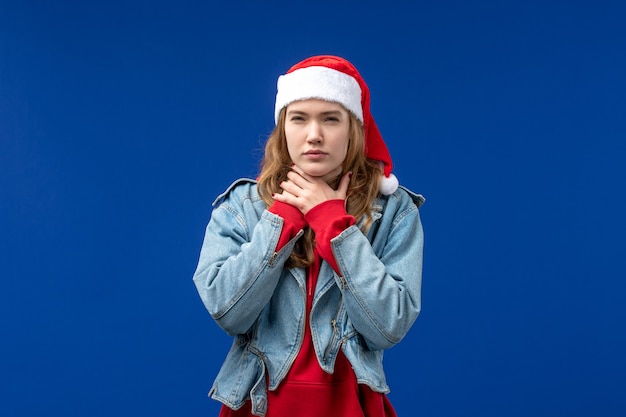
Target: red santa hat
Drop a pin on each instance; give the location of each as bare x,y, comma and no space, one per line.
332,78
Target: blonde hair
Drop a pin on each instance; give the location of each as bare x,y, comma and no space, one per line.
362,190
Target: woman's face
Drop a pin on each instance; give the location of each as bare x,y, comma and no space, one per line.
317,133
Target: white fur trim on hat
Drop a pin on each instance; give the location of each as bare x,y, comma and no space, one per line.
322,83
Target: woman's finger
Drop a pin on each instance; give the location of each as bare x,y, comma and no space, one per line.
298,178
342,189
291,187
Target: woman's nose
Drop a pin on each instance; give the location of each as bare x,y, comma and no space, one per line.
314,134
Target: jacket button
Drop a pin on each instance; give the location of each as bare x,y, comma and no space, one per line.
261,405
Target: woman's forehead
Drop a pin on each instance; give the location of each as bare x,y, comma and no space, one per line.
315,104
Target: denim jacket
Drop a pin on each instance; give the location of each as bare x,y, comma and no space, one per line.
247,290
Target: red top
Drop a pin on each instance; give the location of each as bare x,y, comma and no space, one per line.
308,391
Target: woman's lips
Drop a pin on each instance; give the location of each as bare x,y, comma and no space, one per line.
315,154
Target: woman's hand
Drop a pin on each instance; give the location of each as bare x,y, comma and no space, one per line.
305,192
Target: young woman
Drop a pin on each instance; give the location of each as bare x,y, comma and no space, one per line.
315,267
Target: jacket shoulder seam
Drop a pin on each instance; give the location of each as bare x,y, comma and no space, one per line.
220,198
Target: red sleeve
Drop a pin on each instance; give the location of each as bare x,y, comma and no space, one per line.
328,220
293,221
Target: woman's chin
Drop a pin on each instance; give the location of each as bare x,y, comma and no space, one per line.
321,172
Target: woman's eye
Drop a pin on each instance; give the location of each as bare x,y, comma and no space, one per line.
297,118
332,119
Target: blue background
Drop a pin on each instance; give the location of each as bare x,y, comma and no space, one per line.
120,121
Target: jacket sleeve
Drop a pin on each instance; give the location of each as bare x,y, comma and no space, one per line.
238,268
382,294
293,222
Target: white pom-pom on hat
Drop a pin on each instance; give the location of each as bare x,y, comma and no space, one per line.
388,185
335,79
